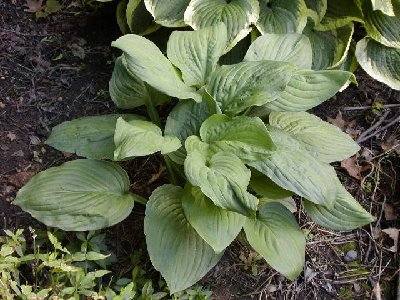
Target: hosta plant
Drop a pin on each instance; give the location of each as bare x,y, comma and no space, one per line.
328,24
238,145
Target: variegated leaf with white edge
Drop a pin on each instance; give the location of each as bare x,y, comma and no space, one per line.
379,61
238,16
167,13
282,16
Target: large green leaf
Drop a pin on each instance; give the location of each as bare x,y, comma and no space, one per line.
175,248
294,169
326,142
307,89
121,16
223,178
232,135
91,137
346,214
379,61
340,13
196,53
277,237
167,13
128,91
139,20
329,47
291,47
282,16
183,121
316,9
217,226
265,187
238,87
381,27
238,16
79,195
140,138
145,60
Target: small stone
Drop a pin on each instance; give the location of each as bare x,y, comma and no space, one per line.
350,256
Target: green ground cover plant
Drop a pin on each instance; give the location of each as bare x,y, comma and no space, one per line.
52,266
238,143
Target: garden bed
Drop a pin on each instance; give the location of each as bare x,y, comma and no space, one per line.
57,68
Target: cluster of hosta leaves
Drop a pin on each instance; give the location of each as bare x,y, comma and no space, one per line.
239,140
327,24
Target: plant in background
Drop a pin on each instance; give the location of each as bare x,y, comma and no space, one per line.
229,169
328,24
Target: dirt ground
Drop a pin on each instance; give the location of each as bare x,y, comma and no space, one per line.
57,68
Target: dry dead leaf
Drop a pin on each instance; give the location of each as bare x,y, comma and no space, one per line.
20,179
11,136
34,140
391,143
34,6
390,214
348,127
393,233
338,121
18,153
352,167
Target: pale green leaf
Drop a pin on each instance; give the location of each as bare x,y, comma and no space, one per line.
379,61
276,235
294,169
324,141
141,138
329,47
196,53
346,214
78,195
167,13
265,187
291,47
175,248
143,59
340,13
287,202
238,16
128,91
382,28
307,89
183,121
223,178
282,16
386,6
91,137
238,87
217,226
232,135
